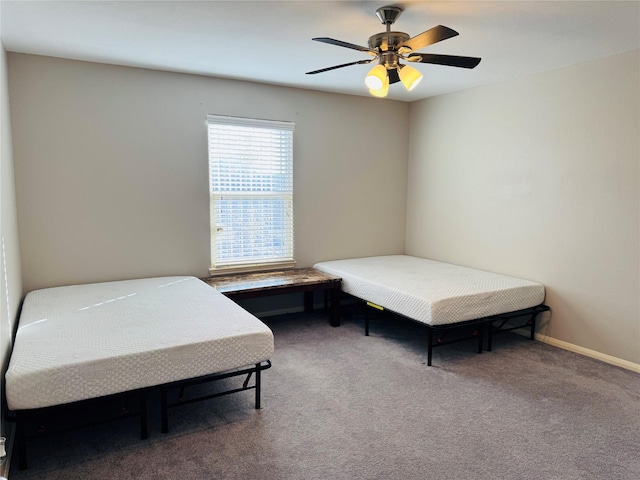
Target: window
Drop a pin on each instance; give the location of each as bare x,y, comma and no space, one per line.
251,192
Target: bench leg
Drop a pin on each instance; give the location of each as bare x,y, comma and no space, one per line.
308,302
335,306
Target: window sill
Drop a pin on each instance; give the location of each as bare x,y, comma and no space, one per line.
262,267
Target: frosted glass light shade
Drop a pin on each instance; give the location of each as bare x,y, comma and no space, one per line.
410,77
382,91
376,77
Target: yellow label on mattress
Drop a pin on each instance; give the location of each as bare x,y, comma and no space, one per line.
375,306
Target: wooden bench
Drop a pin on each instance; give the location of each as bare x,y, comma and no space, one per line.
306,280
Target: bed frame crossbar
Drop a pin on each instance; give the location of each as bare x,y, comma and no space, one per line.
527,316
476,333
165,405
492,324
476,328
42,417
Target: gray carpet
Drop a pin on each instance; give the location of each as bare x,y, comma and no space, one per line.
339,405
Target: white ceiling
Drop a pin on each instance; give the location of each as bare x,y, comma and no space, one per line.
270,41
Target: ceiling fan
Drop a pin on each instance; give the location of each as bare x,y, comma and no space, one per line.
390,47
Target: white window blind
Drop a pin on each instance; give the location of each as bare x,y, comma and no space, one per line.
251,191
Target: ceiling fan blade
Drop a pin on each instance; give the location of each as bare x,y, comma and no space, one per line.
431,36
340,43
394,76
359,62
449,60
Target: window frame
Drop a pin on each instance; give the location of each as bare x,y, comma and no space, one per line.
284,155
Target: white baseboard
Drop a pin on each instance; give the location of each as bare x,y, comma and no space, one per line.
618,362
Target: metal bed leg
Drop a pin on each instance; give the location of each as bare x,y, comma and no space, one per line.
21,442
164,415
144,430
489,336
258,386
429,345
480,338
533,325
366,322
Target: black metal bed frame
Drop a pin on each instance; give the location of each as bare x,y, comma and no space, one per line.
493,324
528,315
181,385
43,420
39,417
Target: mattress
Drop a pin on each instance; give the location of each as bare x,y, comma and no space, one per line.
86,341
432,292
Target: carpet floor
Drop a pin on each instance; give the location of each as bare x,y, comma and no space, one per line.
339,405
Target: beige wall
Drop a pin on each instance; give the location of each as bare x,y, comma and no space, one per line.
539,178
10,276
112,176
536,177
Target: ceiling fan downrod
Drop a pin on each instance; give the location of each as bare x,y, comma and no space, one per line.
387,40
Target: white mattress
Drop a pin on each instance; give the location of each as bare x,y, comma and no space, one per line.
86,341
432,292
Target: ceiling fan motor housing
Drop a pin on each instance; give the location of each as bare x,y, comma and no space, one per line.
387,40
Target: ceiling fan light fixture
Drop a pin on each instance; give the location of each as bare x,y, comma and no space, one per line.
409,76
389,48
382,91
376,77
